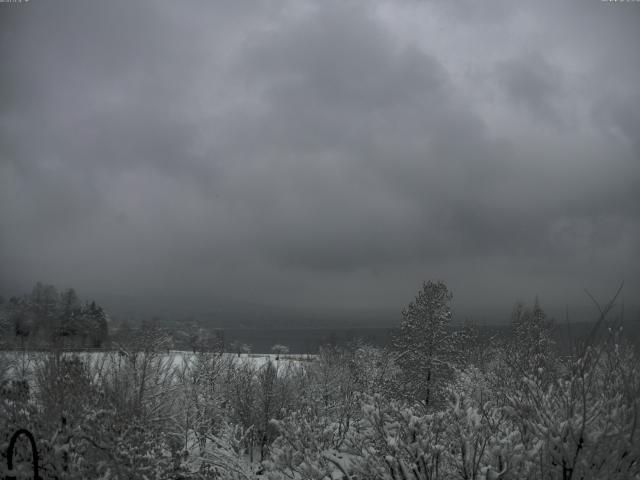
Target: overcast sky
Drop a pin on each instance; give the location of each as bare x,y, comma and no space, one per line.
321,153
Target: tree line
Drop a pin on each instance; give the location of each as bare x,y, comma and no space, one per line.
48,317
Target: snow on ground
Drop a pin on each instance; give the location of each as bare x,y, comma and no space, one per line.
21,363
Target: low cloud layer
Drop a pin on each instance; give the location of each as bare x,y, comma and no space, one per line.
321,154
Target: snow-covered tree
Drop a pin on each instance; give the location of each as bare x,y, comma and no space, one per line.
279,349
531,352
425,343
374,370
268,403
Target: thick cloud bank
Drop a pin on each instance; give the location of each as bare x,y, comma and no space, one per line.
321,153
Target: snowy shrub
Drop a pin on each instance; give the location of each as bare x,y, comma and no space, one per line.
585,425
396,442
299,451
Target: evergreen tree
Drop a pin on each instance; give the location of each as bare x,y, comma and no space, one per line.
532,346
93,325
69,315
5,323
425,343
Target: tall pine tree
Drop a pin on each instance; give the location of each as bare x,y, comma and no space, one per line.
425,343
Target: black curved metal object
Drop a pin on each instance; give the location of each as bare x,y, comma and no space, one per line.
34,453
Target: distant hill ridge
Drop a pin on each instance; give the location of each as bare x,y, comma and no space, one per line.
308,340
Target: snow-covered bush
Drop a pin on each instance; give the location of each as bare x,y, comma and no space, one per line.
585,424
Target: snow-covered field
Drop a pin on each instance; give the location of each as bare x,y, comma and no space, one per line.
21,363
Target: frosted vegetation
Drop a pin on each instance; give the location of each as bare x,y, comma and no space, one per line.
439,404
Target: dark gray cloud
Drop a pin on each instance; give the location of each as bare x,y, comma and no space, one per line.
320,153
534,84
